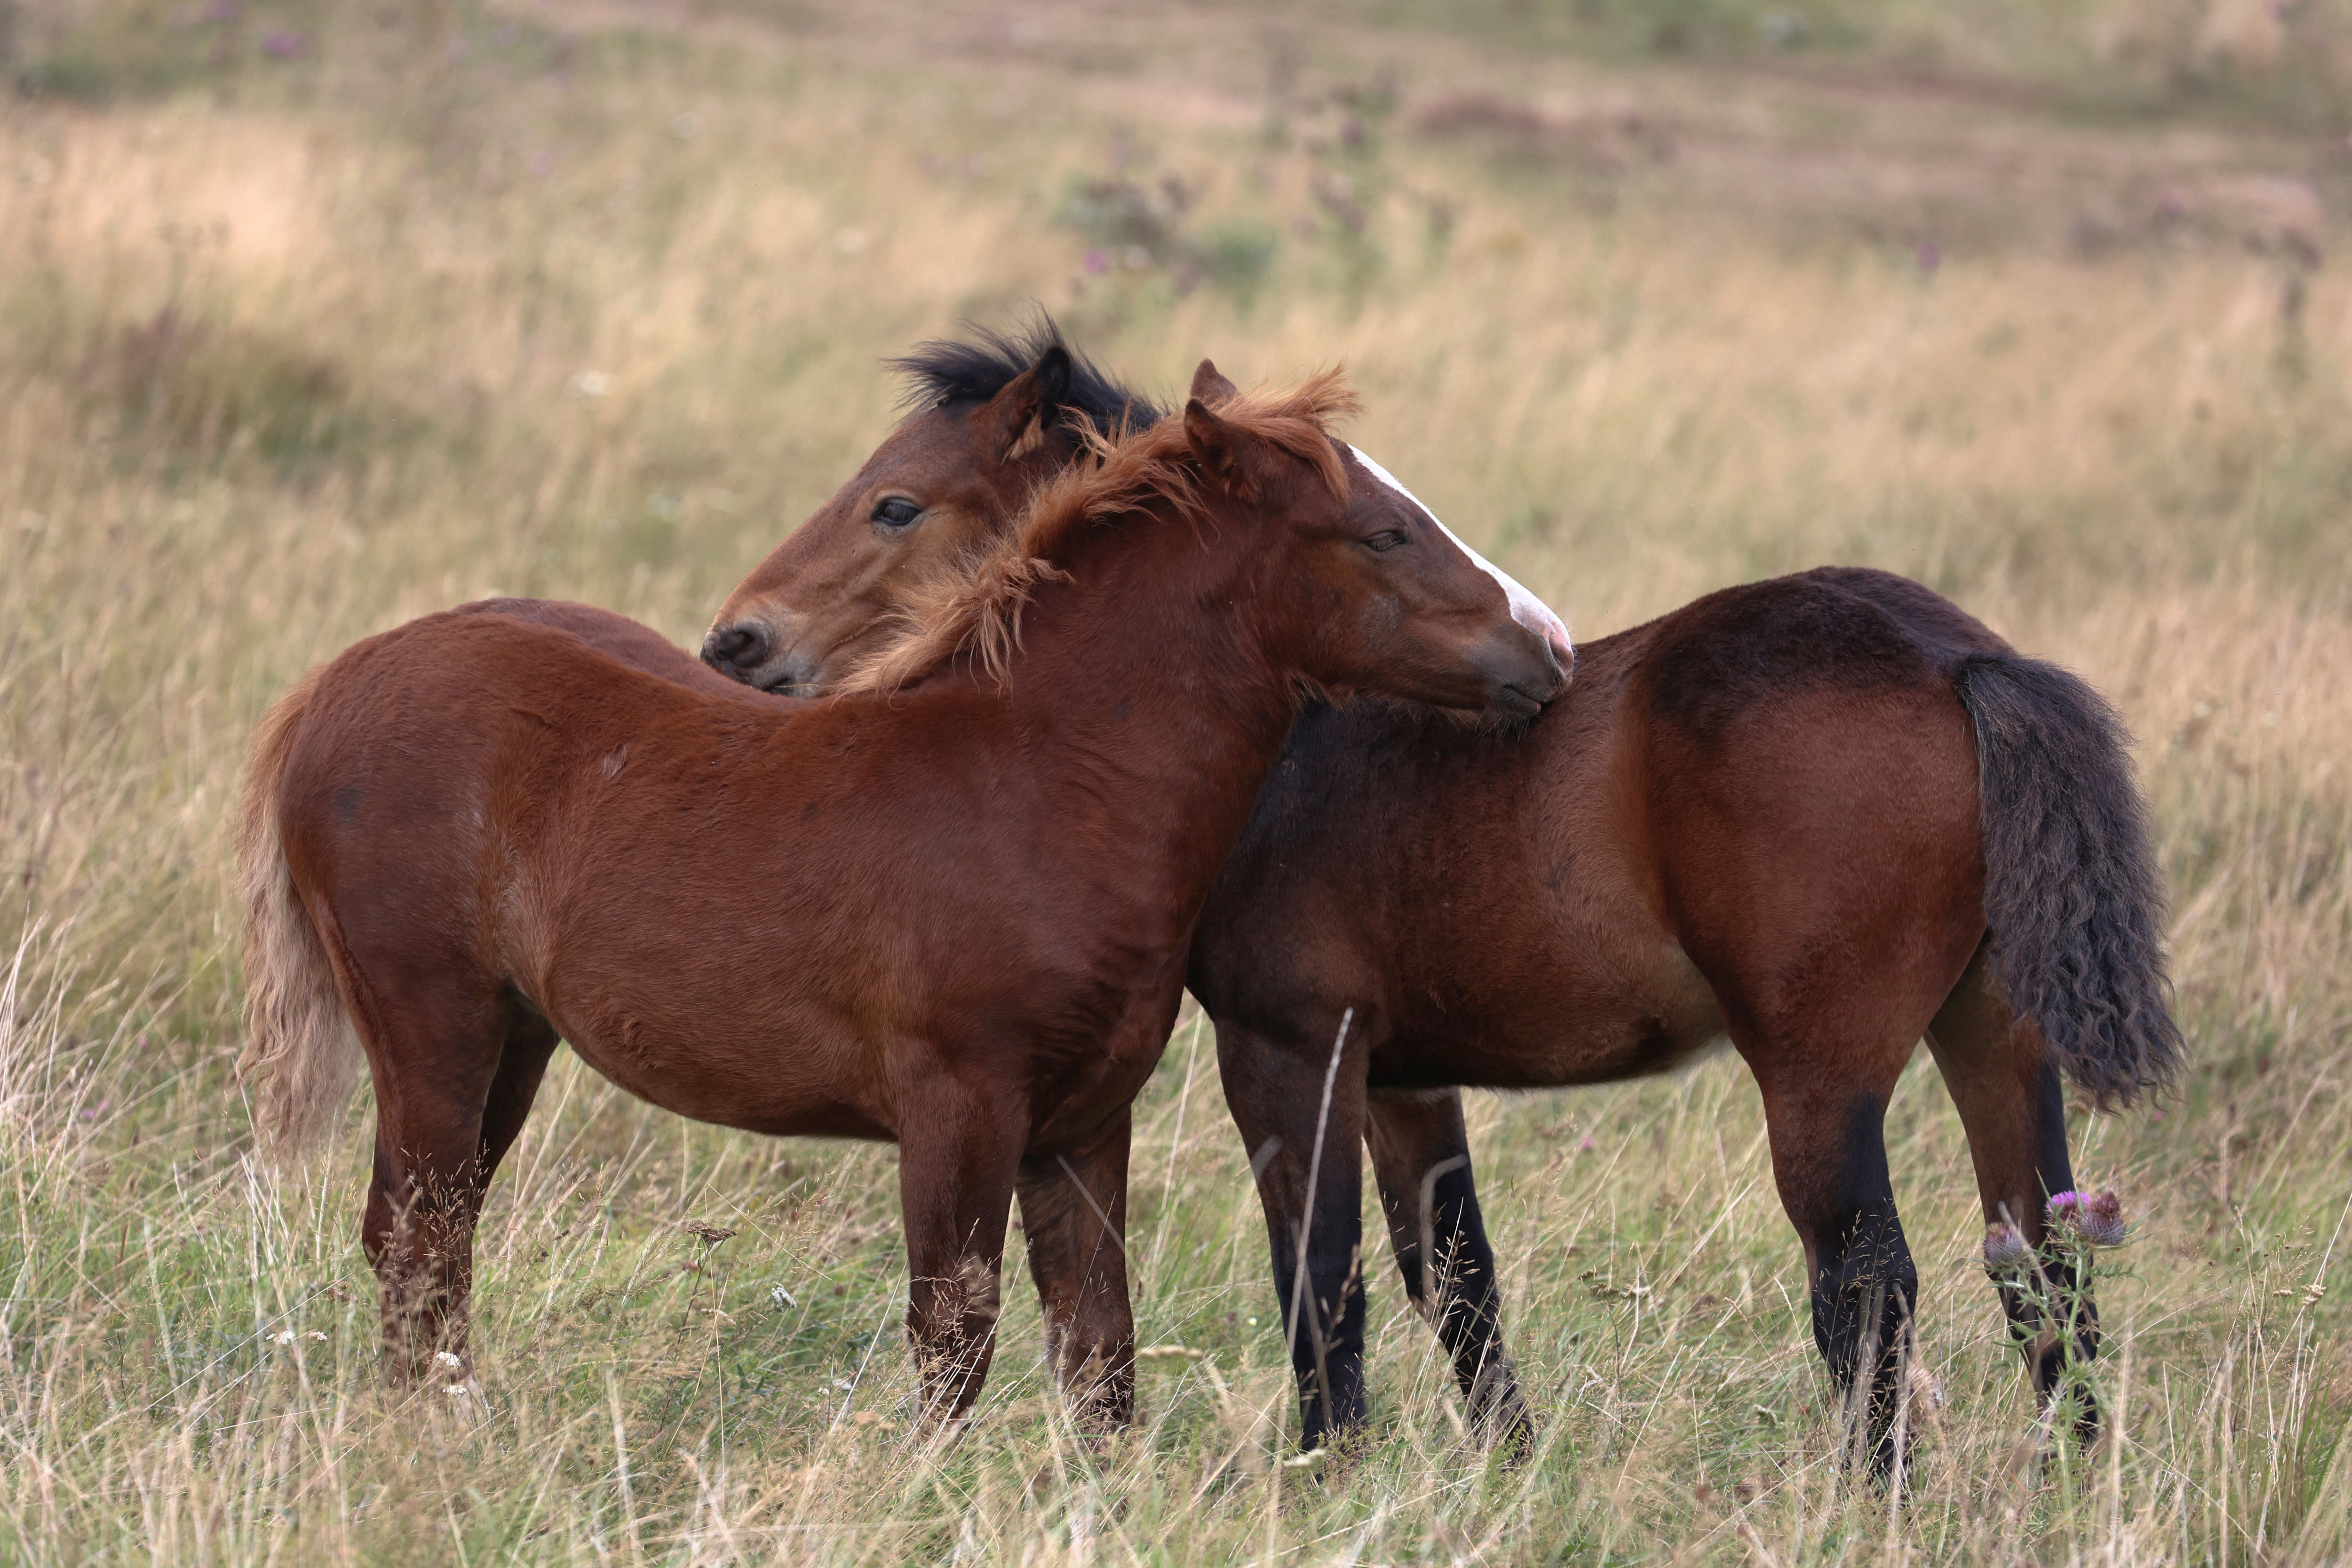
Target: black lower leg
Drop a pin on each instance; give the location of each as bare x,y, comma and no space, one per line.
1448,1266
1862,1312
1865,1285
2055,1320
1326,1332
2055,1323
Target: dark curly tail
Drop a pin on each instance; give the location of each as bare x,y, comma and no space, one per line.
2071,890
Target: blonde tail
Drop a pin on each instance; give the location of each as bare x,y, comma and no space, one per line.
302,1056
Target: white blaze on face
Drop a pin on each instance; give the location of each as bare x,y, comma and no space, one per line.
1525,609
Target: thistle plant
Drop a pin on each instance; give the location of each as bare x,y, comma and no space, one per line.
2047,1291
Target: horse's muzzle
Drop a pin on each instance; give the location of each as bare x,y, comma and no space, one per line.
736,651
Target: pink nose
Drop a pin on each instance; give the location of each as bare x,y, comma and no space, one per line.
1536,615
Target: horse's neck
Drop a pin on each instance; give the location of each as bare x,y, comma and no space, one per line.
1146,671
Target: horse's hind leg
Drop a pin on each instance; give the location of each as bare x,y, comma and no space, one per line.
1420,1155
1074,1213
2012,1106
1824,1110
455,1066
530,1041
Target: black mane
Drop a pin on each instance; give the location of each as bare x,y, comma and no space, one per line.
941,373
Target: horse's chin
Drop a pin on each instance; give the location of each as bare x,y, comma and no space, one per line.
1495,719
1512,709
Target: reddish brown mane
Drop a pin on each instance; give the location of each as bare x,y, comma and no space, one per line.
977,610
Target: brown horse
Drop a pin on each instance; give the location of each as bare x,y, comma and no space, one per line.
971,882
990,418
1823,815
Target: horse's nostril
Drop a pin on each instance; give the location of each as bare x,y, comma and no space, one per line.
742,647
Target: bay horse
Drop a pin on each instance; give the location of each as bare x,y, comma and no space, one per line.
1823,815
951,908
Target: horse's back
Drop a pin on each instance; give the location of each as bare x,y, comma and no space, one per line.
1745,654
491,684
633,643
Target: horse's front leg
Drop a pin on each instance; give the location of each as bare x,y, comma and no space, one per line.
1074,1213
1420,1155
958,1153
1301,1116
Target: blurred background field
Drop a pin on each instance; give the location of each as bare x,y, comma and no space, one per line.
313,318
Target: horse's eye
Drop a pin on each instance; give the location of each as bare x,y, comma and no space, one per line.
897,512
1387,539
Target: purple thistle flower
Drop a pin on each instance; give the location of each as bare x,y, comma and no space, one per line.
2098,1221
2102,1221
284,44
1098,260
2062,1210
2005,1249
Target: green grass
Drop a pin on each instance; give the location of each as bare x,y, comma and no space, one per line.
591,305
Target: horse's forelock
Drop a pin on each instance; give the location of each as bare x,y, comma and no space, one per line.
977,367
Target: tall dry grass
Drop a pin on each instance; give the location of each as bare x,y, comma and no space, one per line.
450,302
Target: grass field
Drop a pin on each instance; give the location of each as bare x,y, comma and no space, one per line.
315,318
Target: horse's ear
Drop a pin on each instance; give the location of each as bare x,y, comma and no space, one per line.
1018,417
1209,385
1223,450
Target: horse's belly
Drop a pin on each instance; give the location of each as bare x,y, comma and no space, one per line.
788,1079
1649,1011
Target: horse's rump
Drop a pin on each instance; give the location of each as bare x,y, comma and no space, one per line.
2072,895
